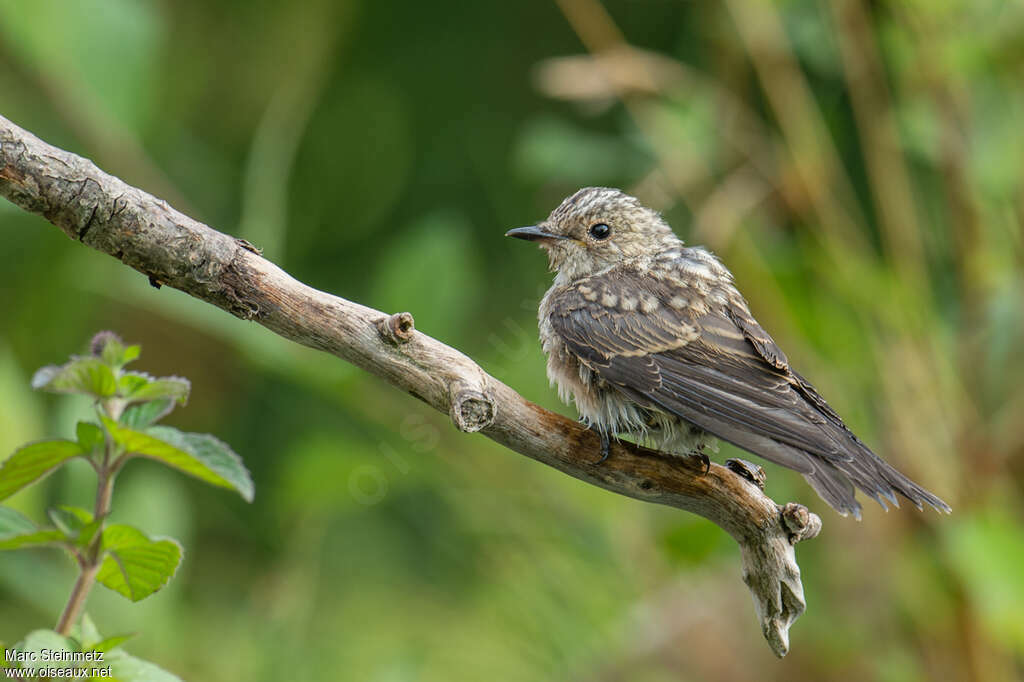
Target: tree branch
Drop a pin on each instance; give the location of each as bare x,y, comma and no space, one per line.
171,249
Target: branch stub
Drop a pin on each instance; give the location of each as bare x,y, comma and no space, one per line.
799,522
397,328
471,409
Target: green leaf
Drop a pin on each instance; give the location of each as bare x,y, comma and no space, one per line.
85,631
88,532
114,352
195,454
131,382
141,415
39,641
40,538
214,453
127,668
33,462
90,436
91,639
136,387
111,642
14,523
75,523
18,532
136,566
84,516
71,520
88,375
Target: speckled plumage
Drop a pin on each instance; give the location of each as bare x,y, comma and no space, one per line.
650,337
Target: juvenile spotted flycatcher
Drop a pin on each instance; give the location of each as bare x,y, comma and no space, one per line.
652,339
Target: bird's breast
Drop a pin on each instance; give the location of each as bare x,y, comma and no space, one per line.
599,404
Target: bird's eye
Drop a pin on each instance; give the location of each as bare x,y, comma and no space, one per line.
600,231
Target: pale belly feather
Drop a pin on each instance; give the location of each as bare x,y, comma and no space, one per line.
606,410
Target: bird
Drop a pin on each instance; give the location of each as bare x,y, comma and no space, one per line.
651,339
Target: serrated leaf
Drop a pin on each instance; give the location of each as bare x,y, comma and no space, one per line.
14,523
70,520
214,454
141,415
137,387
39,641
131,354
18,532
199,455
86,630
116,354
136,566
84,516
36,537
128,668
87,374
111,643
34,461
88,532
90,436
44,375
131,382
76,523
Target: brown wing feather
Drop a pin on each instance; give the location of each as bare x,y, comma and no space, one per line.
711,363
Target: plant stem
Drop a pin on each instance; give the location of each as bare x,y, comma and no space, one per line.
76,602
90,560
104,492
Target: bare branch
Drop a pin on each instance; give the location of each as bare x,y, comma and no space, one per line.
171,249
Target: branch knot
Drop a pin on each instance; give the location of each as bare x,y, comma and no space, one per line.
471,410
396,329
799,522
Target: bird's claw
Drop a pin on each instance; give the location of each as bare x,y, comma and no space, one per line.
606,441
704,460
606,444
698,452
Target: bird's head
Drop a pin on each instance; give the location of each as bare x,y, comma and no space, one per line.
596,228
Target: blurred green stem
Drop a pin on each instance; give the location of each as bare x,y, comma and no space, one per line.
76,602
89,560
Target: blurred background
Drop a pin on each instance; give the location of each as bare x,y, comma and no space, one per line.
858,165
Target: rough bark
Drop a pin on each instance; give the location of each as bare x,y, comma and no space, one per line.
171,249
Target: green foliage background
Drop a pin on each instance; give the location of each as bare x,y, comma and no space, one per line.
858,165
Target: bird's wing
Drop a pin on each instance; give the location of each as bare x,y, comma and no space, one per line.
666,342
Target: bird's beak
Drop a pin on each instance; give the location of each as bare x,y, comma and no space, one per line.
533,233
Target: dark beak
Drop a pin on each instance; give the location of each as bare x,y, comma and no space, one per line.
532,233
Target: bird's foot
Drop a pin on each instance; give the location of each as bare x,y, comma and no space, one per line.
606,444
606,441
698,452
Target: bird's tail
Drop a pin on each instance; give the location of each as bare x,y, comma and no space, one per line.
835,480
